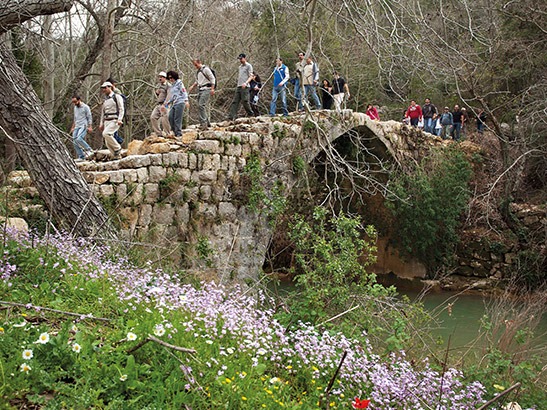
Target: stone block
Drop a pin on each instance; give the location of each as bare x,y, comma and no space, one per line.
207,177
215,158
156,173
254,140
96,178
116,177
129,175
182,214
207,146
246,150
192,161
145,215
156,159
142,175
205,192
151,193
227,211
18,224
135,195
106,190
195,176
184,174
163,214
171,158
183,159
233,149
207,211
121,191
133,148
158,148
135,161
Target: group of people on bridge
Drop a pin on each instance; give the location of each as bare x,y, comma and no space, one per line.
172,98
446,124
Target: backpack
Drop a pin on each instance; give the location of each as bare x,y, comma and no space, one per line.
214,75
124,98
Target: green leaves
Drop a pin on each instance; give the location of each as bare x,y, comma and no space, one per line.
428,205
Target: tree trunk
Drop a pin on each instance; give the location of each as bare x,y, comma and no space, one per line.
37,141
49,60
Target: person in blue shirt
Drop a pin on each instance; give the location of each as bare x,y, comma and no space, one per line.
280,79
178,100
81,125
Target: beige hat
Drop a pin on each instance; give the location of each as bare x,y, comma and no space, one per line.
106,84
162,74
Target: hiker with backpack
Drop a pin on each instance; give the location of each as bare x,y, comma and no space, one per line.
111,118
205,82
159,118
177,100
115,88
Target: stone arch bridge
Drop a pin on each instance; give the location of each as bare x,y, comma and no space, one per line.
207,196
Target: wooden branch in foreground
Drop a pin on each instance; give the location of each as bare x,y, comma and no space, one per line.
499,396
29,306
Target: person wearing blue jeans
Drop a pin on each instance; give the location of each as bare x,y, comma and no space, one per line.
310,79
429,113
81,125
178,99
298,81
280,79
458,120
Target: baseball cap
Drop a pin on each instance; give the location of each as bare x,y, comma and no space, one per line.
241,56
106,84
163,74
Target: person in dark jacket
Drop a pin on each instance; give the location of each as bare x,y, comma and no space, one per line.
458,118
429,112
254,88
326,95
481,121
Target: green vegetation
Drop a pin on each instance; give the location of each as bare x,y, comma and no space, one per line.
257,200
428,205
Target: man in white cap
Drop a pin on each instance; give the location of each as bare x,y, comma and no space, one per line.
159,113
111,118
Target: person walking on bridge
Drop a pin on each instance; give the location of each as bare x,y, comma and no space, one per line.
241,95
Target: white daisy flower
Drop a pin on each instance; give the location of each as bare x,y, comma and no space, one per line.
123,377
27,354
131,336
25,368
43,339
76,347
159,330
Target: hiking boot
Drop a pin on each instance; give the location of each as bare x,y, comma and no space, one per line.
117,155
89,155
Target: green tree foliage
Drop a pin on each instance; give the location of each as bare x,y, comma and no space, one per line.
428,205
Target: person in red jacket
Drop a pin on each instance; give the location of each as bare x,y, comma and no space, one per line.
372,112
414,113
